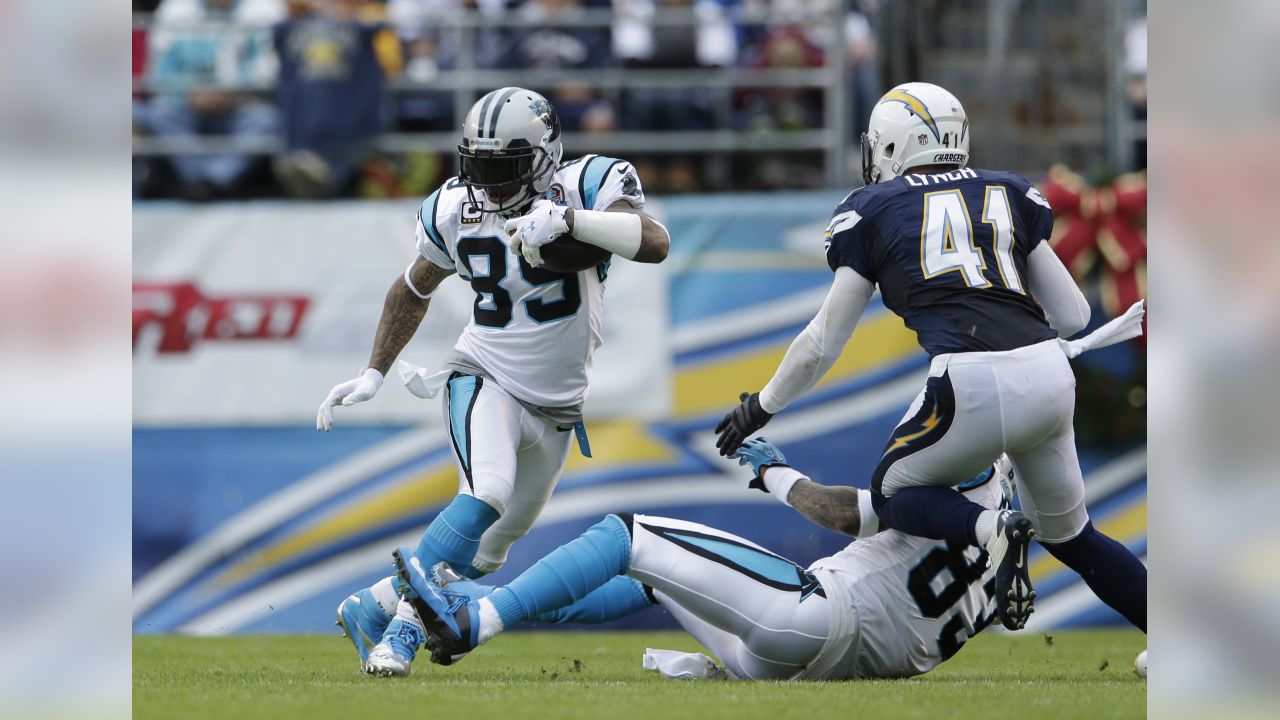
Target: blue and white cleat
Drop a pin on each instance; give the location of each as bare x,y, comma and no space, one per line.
393,655
1007,550
445,576
362,621
448,616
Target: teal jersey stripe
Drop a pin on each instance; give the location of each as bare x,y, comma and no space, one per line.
762,564
592,179
428,217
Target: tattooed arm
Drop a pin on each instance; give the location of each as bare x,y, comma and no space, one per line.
839,508
833,507
403,311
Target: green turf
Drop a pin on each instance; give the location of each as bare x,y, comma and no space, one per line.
597,675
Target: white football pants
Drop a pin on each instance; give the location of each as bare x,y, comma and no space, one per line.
764,616
506,456
977,405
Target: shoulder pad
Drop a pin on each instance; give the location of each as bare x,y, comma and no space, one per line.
446,210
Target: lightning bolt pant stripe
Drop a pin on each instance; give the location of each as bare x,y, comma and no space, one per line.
926,427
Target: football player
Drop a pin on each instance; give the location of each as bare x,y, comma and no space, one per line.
962,255
516,380
890,605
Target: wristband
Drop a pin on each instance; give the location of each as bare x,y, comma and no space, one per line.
779,479
413,289
617,232
868,520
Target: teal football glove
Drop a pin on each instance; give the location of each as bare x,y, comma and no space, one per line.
761,454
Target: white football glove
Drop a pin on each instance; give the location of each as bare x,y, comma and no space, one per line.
544,223
348,393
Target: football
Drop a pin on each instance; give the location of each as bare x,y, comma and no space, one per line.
568,254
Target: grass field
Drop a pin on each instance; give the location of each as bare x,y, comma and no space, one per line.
1079,674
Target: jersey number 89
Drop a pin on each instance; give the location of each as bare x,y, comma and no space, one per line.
486,261
945,562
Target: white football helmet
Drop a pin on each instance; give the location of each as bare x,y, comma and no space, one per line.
914,124
510,148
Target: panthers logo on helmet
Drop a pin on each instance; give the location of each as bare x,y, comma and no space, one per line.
547,114
916,107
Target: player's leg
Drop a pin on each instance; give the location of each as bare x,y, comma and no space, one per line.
484,426
539,463
1051,491
776,609
364,615
619,598
952,431
956,427
456,623
764,616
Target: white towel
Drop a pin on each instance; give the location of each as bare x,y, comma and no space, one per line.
682,665
1128,325
421,381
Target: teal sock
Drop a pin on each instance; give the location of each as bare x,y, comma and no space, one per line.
616,599
454,535
570,573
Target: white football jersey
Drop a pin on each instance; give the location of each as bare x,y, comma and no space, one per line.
902,604
532,330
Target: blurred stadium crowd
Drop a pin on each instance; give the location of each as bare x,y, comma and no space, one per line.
323,78
363,98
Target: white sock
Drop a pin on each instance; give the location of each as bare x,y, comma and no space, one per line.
384,592
986,524
490,621
404,611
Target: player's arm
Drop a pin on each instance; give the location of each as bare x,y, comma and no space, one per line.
838,508
1053,287
810,356
622,230
842,509
403,309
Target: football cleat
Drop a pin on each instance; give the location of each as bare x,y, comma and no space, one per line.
449,617
393,656
362,621
1007,550
446,577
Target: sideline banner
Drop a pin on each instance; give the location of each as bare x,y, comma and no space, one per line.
245,519
247,314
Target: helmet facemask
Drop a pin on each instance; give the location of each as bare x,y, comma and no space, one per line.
512,173
870,173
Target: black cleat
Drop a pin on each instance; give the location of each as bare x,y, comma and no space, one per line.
447,616
1007,549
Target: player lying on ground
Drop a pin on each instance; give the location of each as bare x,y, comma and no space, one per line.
890,605
515,383
963,257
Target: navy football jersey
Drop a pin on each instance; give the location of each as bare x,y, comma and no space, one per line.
949,252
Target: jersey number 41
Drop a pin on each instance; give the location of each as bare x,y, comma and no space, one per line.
948,242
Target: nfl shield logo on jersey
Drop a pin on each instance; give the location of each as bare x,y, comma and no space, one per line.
555,194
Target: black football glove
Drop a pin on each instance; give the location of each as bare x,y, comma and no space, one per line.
741,423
